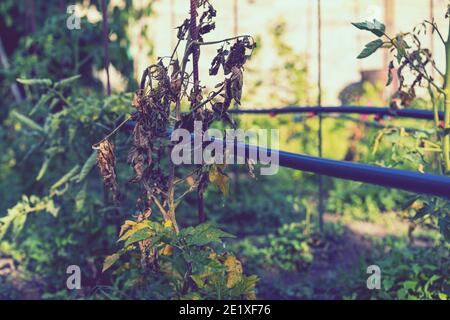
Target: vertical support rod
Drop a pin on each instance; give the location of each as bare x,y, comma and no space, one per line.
319,104
446,138
195,48
389,17
430,33
105,44
195,55
172,22
235,18
236,32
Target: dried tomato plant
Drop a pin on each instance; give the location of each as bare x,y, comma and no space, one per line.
165,87
412,58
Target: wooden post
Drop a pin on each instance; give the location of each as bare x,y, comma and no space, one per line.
235,18
195,55
105,44
389,18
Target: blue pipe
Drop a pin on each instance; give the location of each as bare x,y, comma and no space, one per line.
386,177
402,113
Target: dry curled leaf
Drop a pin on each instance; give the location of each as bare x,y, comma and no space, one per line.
106,161
236,84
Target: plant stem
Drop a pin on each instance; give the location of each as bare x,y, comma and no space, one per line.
446,137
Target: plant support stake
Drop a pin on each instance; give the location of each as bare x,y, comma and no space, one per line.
195,55
319,103
105,44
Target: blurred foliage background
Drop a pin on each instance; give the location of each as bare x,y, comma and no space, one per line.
55,213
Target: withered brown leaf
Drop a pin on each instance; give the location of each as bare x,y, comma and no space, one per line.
236,84
106,161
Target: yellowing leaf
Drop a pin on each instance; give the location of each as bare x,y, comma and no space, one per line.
219,179
167,250
128,224
140,235
135,228
250,296
109,261
191,296
168,224
234,271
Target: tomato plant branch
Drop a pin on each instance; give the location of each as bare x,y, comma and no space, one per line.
435,28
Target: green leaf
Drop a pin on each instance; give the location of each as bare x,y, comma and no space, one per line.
444,227
376,27
409,285
49,154
80,198
131,228
27,121
379,28
360,25
442,296
43,100
245,286
401,294
88,165
203,234
401,45
387,284
198,280
142,234
422,212
67,81
43,169
31,82
18,223
64,179
191,296
409,202
370,48
430,281
50,208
